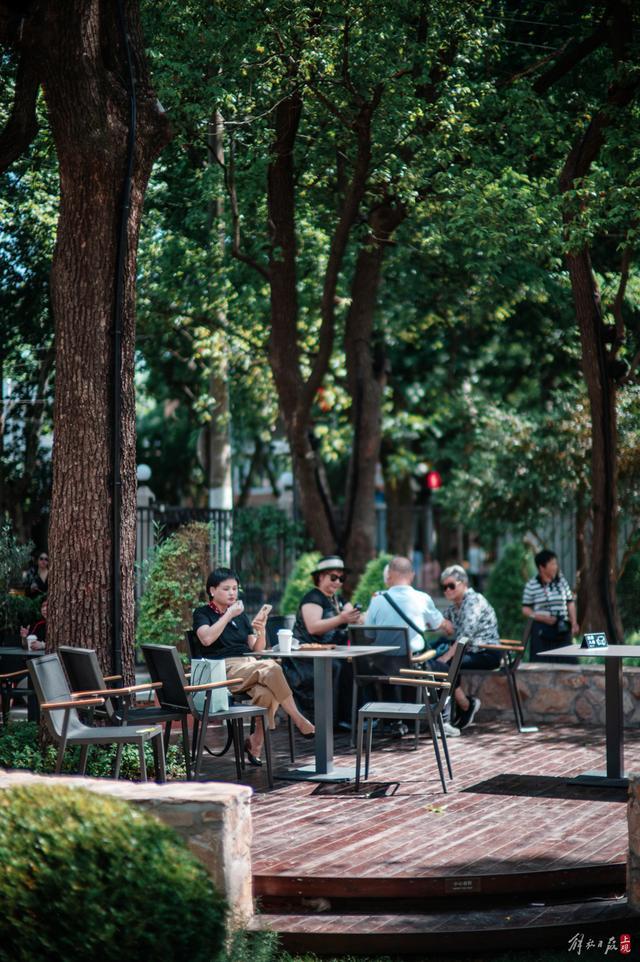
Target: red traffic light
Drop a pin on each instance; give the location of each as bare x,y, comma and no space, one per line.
433,480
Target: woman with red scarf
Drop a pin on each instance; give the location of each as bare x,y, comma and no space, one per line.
223,631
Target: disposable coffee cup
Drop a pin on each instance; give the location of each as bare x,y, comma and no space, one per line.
284,639
32,642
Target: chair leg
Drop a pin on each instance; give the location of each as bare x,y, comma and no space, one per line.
367,757
240,737
436,750
445,744
61,750
292,742
167,736
186,749
159,758
143,762
84,754
359,749
118,761
194,742
267,752
354,712
238,747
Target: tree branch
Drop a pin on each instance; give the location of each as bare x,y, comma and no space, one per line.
22,125
230,184
573,55
618,302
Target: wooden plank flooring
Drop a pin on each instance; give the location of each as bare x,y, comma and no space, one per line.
509,822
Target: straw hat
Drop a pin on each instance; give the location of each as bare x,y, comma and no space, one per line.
330,562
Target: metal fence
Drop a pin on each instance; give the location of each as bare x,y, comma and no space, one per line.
264,567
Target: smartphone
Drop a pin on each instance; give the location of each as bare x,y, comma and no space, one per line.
264,611
358,606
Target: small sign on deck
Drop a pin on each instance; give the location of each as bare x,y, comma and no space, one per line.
596,639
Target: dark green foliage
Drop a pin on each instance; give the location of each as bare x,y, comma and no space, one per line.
504,588
299,582
17,611
87,875
261,538
370,580
174,586
20,748
14,558
629,595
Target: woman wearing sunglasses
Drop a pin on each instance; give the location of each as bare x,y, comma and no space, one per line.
322,617
38,578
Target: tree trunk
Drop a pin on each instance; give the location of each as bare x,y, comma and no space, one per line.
366,379
83,72
600,576
399,497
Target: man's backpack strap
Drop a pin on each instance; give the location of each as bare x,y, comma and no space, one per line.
405,618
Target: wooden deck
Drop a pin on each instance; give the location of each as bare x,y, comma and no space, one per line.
511,840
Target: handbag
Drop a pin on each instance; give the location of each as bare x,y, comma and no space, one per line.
204,671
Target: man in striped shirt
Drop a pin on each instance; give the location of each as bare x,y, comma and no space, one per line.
548,600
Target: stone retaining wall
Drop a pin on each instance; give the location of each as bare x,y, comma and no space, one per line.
213,819
567,694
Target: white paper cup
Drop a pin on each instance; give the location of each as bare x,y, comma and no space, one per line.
32,642
284,639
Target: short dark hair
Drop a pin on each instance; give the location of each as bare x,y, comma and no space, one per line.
218,575
544,557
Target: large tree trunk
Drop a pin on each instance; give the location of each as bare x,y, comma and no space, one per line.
599,578
84,76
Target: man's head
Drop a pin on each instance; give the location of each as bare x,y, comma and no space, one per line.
547,564
400,571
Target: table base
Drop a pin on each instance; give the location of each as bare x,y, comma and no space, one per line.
308,773
599,780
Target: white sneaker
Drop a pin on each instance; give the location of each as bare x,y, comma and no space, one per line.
450,730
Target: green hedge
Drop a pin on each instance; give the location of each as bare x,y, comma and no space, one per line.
299,582
504,588
371,580
85,876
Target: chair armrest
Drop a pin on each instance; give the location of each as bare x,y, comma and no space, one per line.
112,677
419,682
424,674
503,646
424,656
213,684
15,674
117,691
68,705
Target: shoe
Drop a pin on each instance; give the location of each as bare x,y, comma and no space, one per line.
450,730
399,730
251,758
466,717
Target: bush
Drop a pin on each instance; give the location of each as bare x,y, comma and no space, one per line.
84,874
20,748
628,591
371,580
14,559
299,582
260,535
504,588
174,586
16,611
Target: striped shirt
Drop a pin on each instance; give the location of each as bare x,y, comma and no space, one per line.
552,597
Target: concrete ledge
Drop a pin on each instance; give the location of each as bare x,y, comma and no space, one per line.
214,820
570,694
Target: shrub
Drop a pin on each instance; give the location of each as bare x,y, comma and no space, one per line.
174,586
259,536
504,588
20,748
84,874
370,580
299,582
16,611
14,558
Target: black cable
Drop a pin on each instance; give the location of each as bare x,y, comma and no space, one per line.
121,266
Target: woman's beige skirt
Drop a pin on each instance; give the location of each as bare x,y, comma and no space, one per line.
263,679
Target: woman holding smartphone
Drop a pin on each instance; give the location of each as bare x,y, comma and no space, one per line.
223,631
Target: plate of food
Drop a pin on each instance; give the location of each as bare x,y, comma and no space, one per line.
316,646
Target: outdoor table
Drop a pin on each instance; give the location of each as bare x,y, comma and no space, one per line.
613,655
323,770
14,659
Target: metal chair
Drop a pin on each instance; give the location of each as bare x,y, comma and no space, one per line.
367,671
239,698
86,678
164,665
60,709
512,653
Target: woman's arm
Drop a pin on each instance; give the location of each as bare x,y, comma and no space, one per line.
316,625
208,634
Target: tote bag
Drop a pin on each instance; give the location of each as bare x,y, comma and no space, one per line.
203,671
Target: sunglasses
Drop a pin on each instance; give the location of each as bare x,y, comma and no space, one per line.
450,586
339,578
43,557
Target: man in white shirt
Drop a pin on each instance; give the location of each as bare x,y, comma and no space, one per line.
416,605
